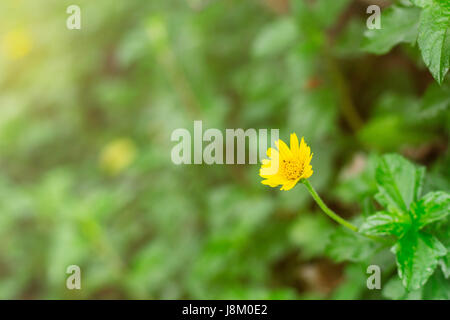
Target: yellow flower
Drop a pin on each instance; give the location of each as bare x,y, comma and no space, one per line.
17,44
117,155
287,165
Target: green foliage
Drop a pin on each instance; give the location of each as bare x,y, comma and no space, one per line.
384,223
345,245
275,38
436,101
434,37
399,184
428,23
399,24
304,234
86,177
417,257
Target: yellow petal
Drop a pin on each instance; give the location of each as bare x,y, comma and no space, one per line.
289,185
274,181
305,151
284,150
294,145
270,183
265,163
269,170
307,172
273,153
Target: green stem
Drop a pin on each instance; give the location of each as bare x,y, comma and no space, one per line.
327,210
335,217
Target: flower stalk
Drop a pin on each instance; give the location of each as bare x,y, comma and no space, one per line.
336,217
325,208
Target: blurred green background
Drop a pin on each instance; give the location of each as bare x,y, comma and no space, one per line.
85,122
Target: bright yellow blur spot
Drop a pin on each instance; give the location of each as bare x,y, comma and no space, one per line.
17,43
117,155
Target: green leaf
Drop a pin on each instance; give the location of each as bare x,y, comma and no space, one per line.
354,285
417,257
421,3
398,25
395,290
383,223
399,182
389,132
445,265
434,38
443,234
275,38
304,233
436,100
437,288
432,207
325,9
350,246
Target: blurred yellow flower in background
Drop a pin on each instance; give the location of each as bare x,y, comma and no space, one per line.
117,155
292,163
17,43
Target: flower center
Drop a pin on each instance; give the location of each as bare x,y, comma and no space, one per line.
291,170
